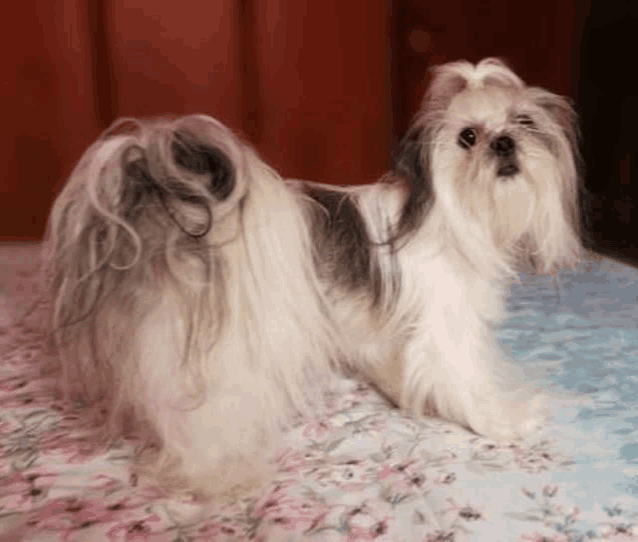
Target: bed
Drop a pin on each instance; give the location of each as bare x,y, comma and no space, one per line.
363,470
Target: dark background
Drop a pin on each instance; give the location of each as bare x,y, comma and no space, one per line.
324,90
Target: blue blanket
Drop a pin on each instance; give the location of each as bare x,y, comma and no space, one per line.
363,470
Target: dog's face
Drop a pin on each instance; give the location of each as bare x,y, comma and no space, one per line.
489,133
505,155
501,157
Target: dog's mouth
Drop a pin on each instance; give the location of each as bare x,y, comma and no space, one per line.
504,148
508,170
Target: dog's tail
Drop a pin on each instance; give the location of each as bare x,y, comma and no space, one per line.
136,211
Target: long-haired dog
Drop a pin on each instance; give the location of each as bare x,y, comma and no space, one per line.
197,295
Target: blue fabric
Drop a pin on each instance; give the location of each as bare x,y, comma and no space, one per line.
581,329
364,470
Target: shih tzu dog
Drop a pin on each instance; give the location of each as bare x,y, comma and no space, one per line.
202,300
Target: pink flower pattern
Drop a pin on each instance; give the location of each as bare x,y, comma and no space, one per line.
363,471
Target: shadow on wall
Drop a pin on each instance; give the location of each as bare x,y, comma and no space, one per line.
608,101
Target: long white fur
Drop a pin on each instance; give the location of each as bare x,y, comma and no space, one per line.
212,342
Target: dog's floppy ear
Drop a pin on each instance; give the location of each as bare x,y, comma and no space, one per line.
412,164
407,162
561,111
205,161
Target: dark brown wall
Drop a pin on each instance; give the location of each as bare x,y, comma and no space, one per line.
323,89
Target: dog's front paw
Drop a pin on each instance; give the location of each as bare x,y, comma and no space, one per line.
507,419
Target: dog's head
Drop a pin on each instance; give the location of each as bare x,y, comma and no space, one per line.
501,160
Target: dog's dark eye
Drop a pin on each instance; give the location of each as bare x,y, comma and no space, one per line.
467,138
525,120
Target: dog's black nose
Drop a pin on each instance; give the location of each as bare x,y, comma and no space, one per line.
503,146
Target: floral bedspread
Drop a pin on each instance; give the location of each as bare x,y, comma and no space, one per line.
365,471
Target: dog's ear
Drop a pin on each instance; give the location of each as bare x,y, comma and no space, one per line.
408,160
561,111
206,161
412,164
